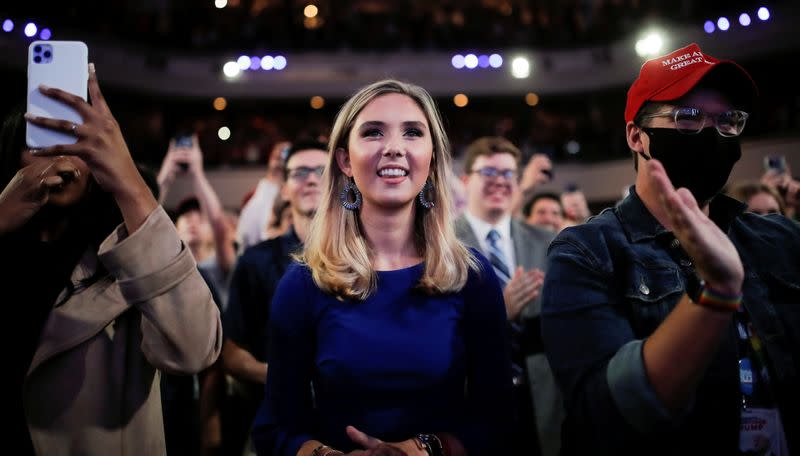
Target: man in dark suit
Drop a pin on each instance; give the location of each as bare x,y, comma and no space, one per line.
518,253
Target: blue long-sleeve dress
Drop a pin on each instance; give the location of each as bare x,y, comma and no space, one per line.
394,365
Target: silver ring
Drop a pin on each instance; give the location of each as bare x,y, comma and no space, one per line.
74,128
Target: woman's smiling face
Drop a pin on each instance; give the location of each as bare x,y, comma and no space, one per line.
390,149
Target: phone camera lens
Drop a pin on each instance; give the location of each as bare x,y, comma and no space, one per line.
37,59
37,48
47,54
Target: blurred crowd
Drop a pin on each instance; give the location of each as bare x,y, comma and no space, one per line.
375,25
582,128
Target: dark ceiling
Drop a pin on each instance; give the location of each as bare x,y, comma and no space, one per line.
365,25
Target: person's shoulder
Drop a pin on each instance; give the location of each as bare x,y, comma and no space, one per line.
298,275
296,298
296,284
593,229
263,251
461,225
771,228
597,238
533,232
479,256
769,221
482,265
608,217
769,244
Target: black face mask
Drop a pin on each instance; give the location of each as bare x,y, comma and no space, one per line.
702,162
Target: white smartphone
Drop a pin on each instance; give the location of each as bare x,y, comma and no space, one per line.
61,64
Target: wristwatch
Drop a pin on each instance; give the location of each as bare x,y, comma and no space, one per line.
707,297
431,443
694,287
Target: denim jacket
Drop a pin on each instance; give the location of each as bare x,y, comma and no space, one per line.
610,284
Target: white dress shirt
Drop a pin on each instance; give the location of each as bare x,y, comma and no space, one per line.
503,228
254,216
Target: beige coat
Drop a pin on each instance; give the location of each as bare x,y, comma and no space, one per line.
93,385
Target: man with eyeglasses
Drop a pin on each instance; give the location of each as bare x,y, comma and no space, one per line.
257,273
518,253
672,321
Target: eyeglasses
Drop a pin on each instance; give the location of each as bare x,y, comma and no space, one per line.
490,173
301,173
691,121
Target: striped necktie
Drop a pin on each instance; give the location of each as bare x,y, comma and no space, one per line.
498,260
497,257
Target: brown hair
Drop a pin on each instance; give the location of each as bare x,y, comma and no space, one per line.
648,108
745,190
489,145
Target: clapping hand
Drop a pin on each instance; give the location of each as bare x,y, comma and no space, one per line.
714,255
376,447
523,287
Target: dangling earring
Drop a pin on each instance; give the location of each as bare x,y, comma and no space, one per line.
423,200
345,196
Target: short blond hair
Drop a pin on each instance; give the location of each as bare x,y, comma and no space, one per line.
337,253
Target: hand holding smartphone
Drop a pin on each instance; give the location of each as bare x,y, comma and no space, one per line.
184,140
59,64
97,141
776,163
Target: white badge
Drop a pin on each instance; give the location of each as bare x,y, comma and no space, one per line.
761,432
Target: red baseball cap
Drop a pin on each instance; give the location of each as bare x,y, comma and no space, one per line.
672,76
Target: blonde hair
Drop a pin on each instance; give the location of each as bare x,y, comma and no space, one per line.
743,191
336,251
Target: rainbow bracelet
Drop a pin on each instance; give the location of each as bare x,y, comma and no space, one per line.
719,301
